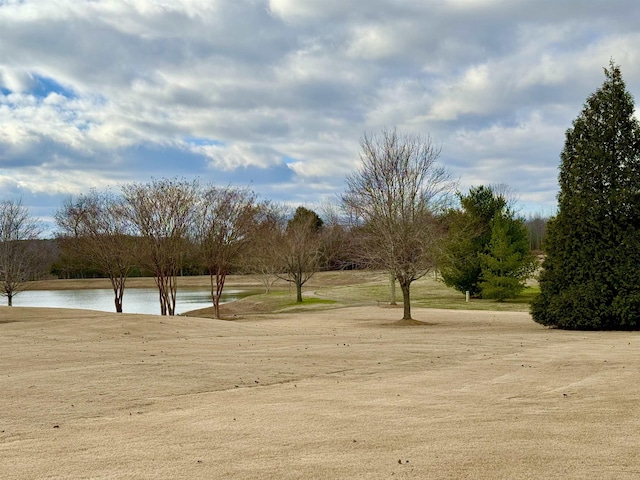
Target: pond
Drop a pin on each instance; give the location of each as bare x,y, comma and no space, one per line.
136,300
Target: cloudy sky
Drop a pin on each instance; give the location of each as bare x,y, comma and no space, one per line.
276,94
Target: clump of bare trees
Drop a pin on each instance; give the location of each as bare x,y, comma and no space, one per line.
19,252
147,226
225,223
159,227
163,213
394,199
95,229
537,227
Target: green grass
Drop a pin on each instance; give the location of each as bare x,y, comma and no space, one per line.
330,290
309,303
337,289
426,292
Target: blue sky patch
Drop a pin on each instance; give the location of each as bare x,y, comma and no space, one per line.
203,142
43,86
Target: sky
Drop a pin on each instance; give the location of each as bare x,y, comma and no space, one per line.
275,95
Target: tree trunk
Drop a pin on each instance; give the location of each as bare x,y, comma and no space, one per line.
163,304
216,293
163,295
392,279
118,292
159,285
167,289
10,299
299,289
173,291
120,296
406,300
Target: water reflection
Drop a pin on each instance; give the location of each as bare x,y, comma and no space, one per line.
136,300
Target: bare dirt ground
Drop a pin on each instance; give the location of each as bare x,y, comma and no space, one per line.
343,393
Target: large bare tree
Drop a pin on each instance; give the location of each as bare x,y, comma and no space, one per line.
94,228
19,253
163,212
395,196
227,219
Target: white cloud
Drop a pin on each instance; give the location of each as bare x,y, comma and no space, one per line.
269,83
51,181
475,4
238,156
302,10
16,79
373,42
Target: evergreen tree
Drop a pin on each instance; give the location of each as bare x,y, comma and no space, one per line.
469,237
509,261
306,217
590,277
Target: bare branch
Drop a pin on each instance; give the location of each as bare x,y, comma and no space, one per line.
19,255
96,229
395,198
226,220
163,213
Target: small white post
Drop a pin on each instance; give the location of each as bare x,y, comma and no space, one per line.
467,296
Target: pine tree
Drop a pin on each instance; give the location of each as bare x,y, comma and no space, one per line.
469,237
591,275
509,261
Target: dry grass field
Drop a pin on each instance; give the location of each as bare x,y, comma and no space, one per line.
336,390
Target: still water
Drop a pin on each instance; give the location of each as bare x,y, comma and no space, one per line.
136,300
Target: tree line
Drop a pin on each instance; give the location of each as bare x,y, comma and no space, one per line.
168,225
398,214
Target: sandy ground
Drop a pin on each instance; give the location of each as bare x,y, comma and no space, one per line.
346,393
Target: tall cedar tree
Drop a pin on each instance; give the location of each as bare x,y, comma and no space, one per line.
590,277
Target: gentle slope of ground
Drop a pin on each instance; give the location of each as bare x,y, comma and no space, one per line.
334,393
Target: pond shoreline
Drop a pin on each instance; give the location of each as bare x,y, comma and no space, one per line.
135,300
196,281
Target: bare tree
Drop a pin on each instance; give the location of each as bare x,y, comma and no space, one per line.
95,228
19,252
537,228
299,249
163,213
396,195
227,219
336,246
265,241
